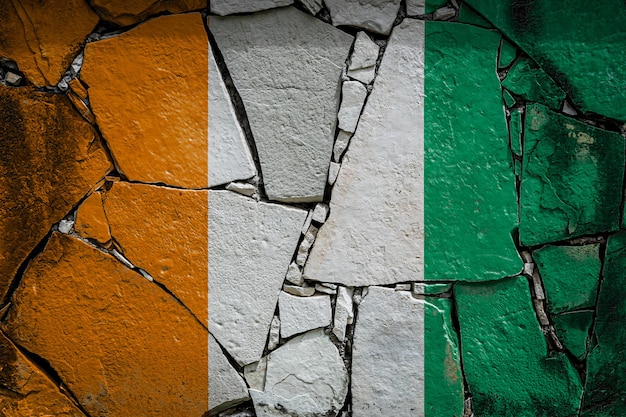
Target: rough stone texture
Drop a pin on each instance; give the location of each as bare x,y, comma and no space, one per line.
572,180
526,79
585,54
506,364
353,97
573,330
250,247
301,314
148,89
98,323
226,387
606,363
469,16
344,312
363,59
470,212
163,231
306,377
43,38
290,99
91,221
26,390
373,15
127,13
374,234
415,7
570,276
229,156
404,360
50,157
313,6
225,7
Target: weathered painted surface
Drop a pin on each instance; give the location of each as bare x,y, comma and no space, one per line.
130,12
573,331
91,221
526,79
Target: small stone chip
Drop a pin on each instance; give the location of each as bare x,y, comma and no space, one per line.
274,336
333,171
294,274
302,291
444,13
320,213
341,144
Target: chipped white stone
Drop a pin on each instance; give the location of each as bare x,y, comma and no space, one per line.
344,312
291,99
363,60
228,389
229,156
313,6
415,7
242,188
305,245
374,15
274,335
538,286
301,291
128,264
388,355
403,287
226,7
66,226
541,312
444,13
529,268
254,374
250,247
333,171
324,289
375,231
320,213
341,144
307,222
12,79
301,314
568,108
353,97
305,377
294,274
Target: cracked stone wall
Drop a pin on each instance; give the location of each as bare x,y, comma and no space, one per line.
351,208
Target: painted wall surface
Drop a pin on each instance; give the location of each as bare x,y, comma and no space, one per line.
311,208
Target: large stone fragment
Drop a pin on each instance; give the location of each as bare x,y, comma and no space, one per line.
226,386
363,59
405,360
526,79
250,248
572,178
570,276
126,13
148,89
91,221
605,390
301,314
44,37
229,156
306,377
585,55
374,234
291,99
470,212
50,157
121,344
506,362
373,15
26,390
225,7
164,231
573,331
353,97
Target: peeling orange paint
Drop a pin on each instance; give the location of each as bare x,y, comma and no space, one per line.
91,221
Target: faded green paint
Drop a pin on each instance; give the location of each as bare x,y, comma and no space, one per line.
443,380
580,44
507,54
572,330
570,276
605,391
469,16
470,207
571,179
505,356
526,79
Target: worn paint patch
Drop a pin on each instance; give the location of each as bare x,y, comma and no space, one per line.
526,79
573,331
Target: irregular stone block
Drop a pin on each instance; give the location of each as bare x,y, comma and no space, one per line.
43,38
573,331
405,359
469,16
584,55
49,159
291,99
415,7
229,156
505,356
250,247
226,386
373,15
526,79
363,59
353,97
163,231
313,6
570,276
572,178
98,323
344,312
127,13
225,7
91,221
155,124
301,314
305,377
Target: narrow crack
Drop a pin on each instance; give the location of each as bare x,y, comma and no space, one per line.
456,324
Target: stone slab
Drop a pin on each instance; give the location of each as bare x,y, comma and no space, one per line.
301,314
226,387
226,7
526,79
126,13
372,15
